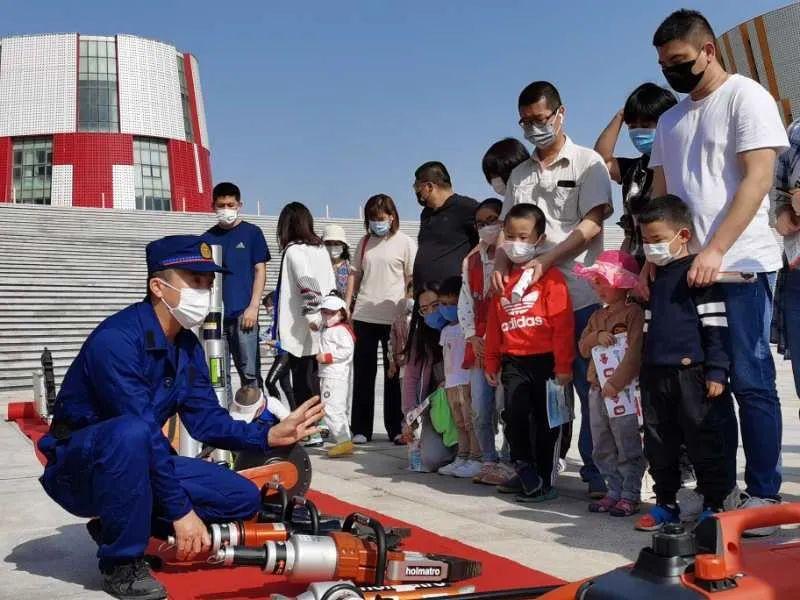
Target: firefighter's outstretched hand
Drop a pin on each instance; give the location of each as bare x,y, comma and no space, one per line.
298,424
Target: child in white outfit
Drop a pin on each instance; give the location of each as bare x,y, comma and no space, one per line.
468,460
335,360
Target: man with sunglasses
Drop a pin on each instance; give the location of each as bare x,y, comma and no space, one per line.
571,184
447,225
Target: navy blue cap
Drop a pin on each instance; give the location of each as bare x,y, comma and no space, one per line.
188,252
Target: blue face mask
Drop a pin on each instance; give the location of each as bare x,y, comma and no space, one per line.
380,228
449,312
642,139
435,320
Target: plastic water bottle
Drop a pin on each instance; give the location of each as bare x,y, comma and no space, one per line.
415,456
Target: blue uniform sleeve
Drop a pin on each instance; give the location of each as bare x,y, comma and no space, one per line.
117,373
712,314
258,245
211,424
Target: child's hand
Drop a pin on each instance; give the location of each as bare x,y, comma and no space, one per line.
492,379
609,391
391,370
714,388
604,338
477,345
564,378
320,357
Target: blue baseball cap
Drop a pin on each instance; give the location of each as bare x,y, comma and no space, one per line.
188,252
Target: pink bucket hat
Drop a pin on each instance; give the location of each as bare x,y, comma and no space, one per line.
618,268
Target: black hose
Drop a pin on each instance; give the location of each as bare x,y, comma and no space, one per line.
380,539
341,587
513,594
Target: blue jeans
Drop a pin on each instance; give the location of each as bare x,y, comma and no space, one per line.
749,308
245,352
589,471
483,411
791,312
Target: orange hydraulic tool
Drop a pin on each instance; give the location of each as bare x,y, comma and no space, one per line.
343,555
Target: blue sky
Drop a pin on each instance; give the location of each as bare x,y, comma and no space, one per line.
328,103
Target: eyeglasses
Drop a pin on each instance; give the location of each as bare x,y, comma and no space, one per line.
482,224
426,309
527,123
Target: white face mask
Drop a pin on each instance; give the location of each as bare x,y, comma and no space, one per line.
227,216
498,185
488,234
520,252
660,254
335,251
192,308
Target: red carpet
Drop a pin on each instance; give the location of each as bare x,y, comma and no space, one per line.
201,581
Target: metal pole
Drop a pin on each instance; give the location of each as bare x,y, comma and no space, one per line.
103,198
327,212
259,208
214,345
184,203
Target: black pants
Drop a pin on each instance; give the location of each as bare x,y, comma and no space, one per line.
527,428
365,368
677,411
280,374
305,380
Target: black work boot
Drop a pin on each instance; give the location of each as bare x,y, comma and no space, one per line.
132,581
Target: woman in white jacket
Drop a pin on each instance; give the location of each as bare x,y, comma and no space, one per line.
306,277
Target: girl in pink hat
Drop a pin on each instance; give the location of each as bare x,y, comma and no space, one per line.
617,450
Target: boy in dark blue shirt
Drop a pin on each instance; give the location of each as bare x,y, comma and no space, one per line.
685,363
244,255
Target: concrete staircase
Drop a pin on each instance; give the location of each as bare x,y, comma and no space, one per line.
66,269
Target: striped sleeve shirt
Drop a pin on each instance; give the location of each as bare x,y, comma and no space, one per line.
686,326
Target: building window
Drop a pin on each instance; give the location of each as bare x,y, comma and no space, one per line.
151,172
187,106
97,86
33,170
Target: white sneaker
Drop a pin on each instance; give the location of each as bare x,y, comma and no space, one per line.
359,439
749,501
468,470
449,469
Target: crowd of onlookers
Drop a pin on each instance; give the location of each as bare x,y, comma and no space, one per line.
503,310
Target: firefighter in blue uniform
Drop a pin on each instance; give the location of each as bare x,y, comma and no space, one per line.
107,456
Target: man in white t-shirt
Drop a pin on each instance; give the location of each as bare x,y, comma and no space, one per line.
716,150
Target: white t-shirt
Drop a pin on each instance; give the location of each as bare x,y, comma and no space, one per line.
387,263
453,346
697,143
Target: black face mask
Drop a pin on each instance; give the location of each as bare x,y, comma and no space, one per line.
680,76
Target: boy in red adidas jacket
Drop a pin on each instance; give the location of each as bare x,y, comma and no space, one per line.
530,338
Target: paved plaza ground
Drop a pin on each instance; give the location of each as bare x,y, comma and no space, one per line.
47,554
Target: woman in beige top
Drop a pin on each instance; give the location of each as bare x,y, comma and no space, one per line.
381,267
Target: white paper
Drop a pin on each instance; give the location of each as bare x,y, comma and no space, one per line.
606,361
559,404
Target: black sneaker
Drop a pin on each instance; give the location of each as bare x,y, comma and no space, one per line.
513,485
133,581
